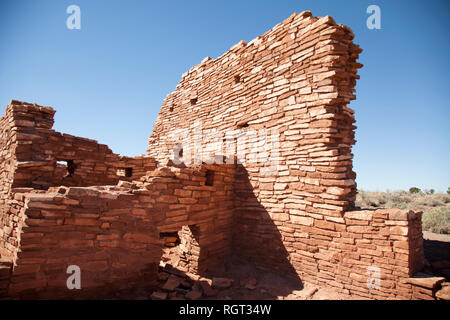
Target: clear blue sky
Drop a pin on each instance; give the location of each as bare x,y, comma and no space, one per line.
107,81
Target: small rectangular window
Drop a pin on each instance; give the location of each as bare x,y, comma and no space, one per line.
125,172
209,178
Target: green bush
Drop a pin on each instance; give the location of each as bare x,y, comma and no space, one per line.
414,190
437,221
448,190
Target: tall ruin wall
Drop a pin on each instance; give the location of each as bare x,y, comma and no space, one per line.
293,82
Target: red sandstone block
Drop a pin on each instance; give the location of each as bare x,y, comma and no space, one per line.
305,221
42,222
81,222
95,266
142,238
167,199
324,225
359,229
183,193
201,194
107,236
403,231
110,243
76,243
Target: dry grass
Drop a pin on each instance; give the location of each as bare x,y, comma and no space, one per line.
435,207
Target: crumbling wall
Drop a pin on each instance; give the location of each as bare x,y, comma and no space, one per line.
182,197
29,155
8,214
113,233
99,230
39,148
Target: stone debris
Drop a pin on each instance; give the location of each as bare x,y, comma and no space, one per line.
172,283
159,295
195,293
206,285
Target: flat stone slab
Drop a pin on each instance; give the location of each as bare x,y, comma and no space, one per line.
425,281
172,283
158,295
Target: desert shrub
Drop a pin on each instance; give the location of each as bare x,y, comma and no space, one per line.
429,191
382,199
444,198
448,190
414,190
437,221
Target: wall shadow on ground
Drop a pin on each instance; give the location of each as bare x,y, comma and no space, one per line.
256,236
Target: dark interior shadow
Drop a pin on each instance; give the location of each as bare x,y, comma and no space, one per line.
257,239
437,253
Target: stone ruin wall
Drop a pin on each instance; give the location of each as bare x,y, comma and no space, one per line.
297,78
106,223
112,232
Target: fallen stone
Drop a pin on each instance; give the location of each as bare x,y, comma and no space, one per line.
192,276
444,293
205,284
249,284
185,284
172,283
170,269
158,295
124,184
222,283
425,280
163,276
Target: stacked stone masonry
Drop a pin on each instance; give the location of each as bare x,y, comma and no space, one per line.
66,200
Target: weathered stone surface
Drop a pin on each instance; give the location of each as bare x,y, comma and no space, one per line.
194,294
158,295
250,283
172,283
222,283
444,293
426,281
